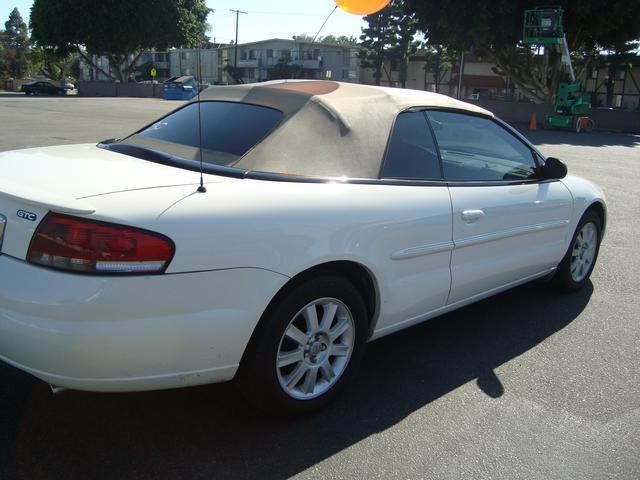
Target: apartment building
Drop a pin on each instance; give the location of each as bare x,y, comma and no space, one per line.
184,61
313,60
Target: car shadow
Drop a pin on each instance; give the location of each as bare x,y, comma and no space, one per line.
212,432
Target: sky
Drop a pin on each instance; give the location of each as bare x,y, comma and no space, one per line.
264,19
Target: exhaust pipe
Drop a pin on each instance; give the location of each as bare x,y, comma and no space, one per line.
55,389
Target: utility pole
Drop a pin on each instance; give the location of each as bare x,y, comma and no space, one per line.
235,59
460,74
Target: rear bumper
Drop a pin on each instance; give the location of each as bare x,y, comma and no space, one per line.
129,333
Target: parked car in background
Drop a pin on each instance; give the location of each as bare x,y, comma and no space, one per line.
42,87
301,221
180,88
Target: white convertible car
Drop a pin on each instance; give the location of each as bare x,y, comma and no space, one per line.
330,215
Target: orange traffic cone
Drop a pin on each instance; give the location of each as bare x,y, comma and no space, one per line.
533,123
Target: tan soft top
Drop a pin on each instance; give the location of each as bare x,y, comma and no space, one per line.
330,128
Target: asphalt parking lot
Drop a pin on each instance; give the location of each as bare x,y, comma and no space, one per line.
530,384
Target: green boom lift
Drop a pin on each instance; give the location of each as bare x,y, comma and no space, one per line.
543,26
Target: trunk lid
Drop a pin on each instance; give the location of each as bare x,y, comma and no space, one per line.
64,179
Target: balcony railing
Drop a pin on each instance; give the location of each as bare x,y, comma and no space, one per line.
248,63
311,64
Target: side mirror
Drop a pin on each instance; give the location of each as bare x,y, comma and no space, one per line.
554,169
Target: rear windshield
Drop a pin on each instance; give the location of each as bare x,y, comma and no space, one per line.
228,131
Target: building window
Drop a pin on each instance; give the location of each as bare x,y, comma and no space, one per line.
252,54
617,101
269,52
286,54
346,58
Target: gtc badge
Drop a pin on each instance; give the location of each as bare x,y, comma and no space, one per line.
32,217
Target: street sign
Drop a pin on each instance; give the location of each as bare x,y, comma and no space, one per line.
154,72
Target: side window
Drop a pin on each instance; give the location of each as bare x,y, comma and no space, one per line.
412,152
477,149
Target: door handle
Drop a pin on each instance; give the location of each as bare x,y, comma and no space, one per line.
470,216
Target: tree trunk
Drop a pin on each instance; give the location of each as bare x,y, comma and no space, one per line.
524,83
132,65
89,61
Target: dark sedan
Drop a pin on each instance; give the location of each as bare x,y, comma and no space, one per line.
36,88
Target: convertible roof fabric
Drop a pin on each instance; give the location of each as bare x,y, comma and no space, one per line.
330,129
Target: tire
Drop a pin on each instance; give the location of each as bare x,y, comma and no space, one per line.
292,377
582,254
590,126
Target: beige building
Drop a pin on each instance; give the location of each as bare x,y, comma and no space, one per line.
478,78
620,90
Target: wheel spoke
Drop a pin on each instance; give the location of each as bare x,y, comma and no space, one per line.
327,370
296,335
338,330
339,350
320,341
295,376
328,315
309,384
287,358
574,268
311,317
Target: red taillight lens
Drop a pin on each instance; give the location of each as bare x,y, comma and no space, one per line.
79,245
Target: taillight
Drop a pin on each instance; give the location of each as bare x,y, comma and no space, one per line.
90,246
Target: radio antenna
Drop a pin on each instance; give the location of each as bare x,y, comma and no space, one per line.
201,187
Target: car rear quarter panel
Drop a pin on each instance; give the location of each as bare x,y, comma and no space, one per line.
288,227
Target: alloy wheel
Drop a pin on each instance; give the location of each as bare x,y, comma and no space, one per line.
315,348
583,252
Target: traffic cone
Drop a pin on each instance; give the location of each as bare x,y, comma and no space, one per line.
533,123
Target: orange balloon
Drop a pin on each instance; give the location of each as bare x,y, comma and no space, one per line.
362,7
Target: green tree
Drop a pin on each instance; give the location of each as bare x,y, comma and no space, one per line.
234,72
492,30
406,28
341,40
15,43
284,69
332,39
3,70
438,61
389,35
118,29
305,37
52,64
